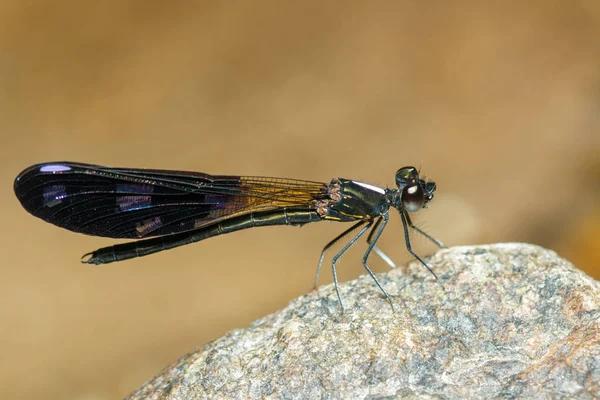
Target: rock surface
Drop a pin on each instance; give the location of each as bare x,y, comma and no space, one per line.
503,321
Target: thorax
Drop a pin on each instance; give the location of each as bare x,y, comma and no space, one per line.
351,200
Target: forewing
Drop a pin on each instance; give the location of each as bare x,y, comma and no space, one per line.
137,203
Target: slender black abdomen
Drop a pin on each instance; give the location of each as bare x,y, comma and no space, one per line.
120,252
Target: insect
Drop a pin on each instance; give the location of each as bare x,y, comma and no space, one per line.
167,209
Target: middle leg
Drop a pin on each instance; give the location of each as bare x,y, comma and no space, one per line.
341,252
378,231
376,249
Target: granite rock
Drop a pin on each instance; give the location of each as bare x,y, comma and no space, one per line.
503,321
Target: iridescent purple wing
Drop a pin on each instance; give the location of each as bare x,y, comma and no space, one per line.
137,203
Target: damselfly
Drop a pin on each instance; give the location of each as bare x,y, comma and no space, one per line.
166,209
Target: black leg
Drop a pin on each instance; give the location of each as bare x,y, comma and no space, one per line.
434,240
376,249
338,255
409,248
375,226
378,233
328,245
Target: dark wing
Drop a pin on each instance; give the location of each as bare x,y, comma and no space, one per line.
137,203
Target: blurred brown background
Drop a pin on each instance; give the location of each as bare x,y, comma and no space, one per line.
499,103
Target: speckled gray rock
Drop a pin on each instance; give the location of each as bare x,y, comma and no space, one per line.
503,321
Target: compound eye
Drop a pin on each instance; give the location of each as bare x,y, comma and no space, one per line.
406,175
413,198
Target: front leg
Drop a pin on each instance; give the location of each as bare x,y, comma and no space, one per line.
410,223
409,247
